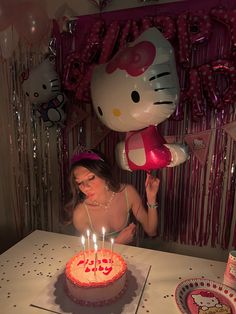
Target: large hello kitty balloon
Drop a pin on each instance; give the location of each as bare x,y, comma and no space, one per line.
133,93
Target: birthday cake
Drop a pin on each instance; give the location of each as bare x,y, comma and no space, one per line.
95,279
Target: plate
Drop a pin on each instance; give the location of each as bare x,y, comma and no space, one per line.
198,296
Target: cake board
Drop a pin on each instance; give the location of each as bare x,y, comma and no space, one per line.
54,299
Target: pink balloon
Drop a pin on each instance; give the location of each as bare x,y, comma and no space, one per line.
109,41
227,69
194,96
93,41
147,22
209,86
178,115
227,17
200,27
74,69
184,45
124,37
31,22
166,25
156,153
217,98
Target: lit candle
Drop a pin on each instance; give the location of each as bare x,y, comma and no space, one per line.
88,238
112,242
103,236
95,257
94,238
83,244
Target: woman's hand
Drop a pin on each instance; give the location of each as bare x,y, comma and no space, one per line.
152,187
127,234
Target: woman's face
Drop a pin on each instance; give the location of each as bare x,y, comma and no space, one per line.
90,184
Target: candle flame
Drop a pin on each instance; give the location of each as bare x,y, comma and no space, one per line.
83,240
94,238
103,231
88,233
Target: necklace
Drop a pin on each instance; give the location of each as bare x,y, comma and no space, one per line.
107,205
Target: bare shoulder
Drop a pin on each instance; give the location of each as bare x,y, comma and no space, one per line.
130,188
132,192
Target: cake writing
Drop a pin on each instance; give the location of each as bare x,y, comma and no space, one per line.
90,265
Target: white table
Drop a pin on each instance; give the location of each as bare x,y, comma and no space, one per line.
27,267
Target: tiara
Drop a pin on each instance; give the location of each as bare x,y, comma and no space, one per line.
83,153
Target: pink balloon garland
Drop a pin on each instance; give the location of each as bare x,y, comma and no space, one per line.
228,18
194,95
124,37
184,45
109,42
200,27
166,25
190,28
216,98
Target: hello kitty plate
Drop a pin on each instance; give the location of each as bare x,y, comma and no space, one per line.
204,296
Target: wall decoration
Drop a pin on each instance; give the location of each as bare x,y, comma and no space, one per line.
230,128
198,144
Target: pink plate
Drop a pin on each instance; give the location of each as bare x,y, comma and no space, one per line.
197,296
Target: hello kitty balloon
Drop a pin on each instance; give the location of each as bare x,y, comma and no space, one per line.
43,88
133,93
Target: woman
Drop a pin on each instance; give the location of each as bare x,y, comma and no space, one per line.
98,201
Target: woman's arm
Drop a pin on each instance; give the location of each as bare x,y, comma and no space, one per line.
148,218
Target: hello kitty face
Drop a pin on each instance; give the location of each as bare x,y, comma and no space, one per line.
206,300
42,84
139,86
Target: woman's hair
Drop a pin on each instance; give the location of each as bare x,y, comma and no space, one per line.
97,164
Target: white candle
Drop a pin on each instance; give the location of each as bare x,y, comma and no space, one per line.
103,236
88,238
94,238
112,242
83,244
95,257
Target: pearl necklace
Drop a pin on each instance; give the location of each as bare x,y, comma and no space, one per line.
107,205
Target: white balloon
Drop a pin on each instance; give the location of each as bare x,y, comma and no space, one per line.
43,83
9,39
133,93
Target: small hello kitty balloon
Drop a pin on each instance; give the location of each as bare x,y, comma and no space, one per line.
43,88
133,93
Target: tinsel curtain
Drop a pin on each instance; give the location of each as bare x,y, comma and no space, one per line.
30,193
